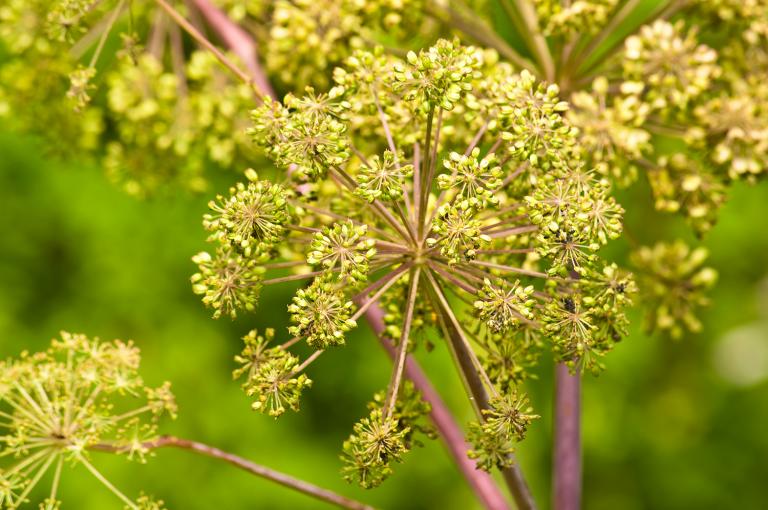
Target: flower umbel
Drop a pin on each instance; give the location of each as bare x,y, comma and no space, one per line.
423,184
58,405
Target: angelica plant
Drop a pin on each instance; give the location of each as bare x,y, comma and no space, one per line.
453,196
62,404
437,179
82,397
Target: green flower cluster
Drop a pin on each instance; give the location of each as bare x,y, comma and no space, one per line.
176,122
270,373
322,314
383,177
674,281
59,405
303,134
683,183
412,182
377,442
246,227
503,306
343,248
573,18
611,132
33,98
505,422
252,218
304,38
670,63
148,123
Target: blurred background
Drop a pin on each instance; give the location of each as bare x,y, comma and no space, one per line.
669,424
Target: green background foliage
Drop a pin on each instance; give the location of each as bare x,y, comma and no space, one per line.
669,425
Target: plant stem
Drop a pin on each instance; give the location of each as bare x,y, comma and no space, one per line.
237,40
208,45
481,482
480,32
246,465
566,464
474,381
523,13
616,20
424,185
402,348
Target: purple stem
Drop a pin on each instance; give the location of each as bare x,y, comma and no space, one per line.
238,41
453,437
566,465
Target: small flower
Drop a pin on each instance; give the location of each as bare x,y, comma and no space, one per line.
610,130
253,217
570,325
256,352
509,360
304,136
504,423
227,281
148,503
411,413
322,314
609,292
673,283
574,18
375,443
683,183
569,249
383,178
460,235
474,180
488,450
532,120
276,385
61,403
673,67
503,306
343,247
270,374
64,18
80,87
509,416
440,75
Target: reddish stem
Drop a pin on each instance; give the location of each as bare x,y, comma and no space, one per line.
246,465
237,40
566,484
480,481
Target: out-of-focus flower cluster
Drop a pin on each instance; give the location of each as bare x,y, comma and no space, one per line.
59,405
157,115
674,281
303,39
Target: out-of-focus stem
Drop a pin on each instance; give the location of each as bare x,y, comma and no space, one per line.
246,465
237,40
566,464
208,45
481,482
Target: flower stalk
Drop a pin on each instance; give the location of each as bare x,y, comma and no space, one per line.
248,466
566,461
